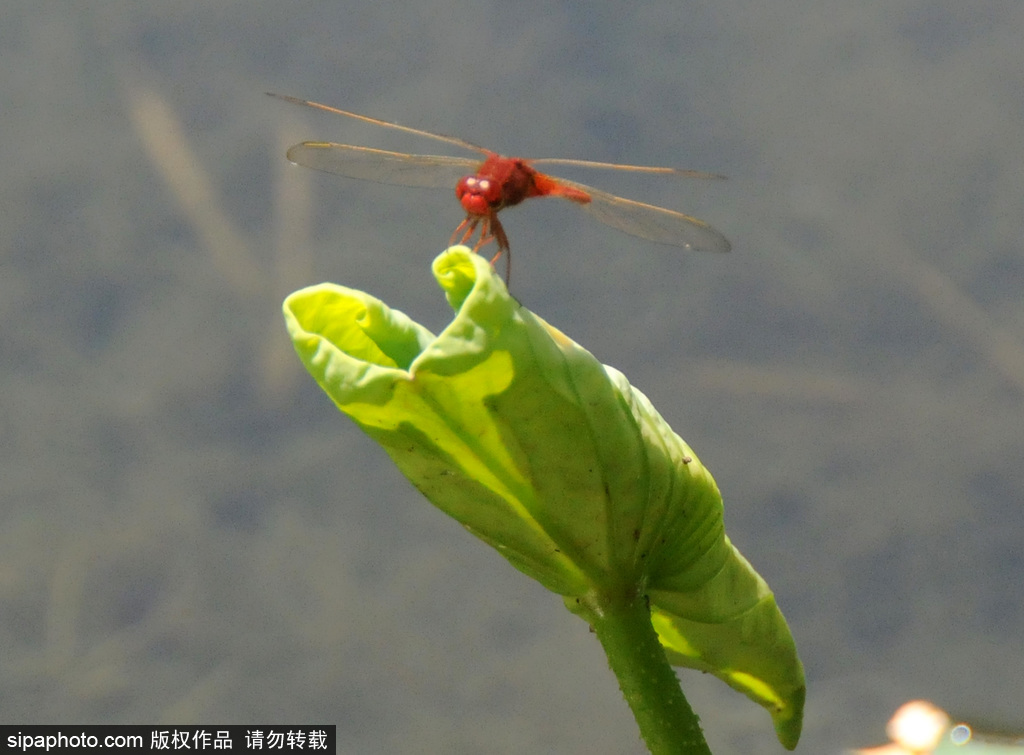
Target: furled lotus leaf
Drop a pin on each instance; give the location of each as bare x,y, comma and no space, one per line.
555,460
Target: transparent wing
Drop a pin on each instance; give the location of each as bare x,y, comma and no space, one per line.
378,122
647,221
678,172
382,166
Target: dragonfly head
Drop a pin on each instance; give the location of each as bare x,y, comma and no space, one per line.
479,197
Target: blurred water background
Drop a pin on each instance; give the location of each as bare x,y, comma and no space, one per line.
190,533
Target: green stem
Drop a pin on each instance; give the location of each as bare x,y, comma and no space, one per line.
622,623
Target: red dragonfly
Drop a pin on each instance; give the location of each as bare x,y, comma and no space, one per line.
485,187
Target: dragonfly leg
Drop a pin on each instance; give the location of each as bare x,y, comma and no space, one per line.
486,234
490,230
497,233
469,226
